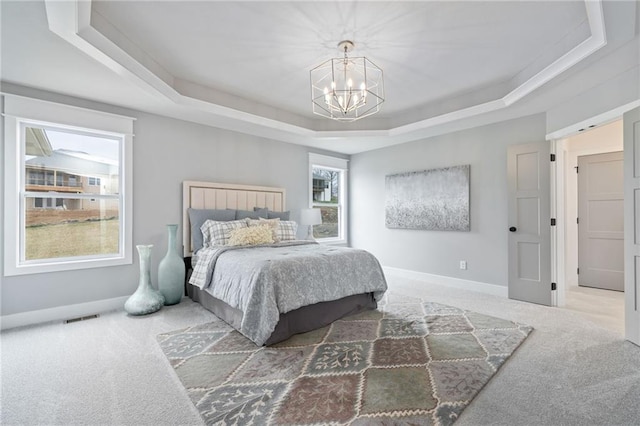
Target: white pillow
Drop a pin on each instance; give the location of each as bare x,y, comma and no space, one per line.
251,236
216,233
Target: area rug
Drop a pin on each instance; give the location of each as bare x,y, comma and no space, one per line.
409,362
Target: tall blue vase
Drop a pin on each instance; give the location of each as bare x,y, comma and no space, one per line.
146,299
171,271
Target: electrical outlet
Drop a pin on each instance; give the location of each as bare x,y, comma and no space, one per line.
463,264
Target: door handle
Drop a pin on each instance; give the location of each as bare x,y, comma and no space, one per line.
513,229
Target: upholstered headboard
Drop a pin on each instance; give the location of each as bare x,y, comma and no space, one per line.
220,196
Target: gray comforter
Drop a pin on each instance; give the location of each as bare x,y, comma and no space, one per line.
265,281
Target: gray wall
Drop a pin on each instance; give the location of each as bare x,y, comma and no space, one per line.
165,153
485,247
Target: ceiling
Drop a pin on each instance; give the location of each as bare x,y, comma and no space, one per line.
245,66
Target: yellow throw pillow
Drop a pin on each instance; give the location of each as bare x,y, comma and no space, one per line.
251,236
273,224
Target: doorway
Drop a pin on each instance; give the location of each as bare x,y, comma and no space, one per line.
604,307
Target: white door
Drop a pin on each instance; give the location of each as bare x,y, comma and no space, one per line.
632,224
529,224
601,221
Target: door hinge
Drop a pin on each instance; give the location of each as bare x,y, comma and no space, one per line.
576,167
553,221
553,286
577,220
553,157
578,271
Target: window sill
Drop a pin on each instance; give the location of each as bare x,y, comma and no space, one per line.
72,265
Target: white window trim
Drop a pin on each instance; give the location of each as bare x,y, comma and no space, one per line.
328,162
18,109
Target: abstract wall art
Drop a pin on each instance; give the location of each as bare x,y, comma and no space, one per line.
436,199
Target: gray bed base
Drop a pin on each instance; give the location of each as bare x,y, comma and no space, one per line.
300,320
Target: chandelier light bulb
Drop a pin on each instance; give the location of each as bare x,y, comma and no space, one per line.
349,83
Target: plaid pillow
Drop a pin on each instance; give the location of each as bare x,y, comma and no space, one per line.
217,233
286,230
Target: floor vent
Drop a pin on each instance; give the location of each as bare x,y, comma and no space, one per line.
88,317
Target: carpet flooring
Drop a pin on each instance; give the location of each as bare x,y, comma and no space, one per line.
409,362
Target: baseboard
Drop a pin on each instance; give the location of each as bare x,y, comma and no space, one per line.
61,313
496,290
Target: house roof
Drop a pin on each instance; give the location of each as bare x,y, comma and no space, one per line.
37,142
73,162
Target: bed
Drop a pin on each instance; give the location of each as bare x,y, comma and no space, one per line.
273,291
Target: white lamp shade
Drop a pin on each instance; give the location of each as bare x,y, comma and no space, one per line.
310,217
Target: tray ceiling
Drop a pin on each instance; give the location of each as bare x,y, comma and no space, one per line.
245,65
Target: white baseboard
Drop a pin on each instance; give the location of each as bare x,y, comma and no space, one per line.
496,290
61,313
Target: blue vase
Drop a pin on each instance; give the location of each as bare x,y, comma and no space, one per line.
171,271
146,299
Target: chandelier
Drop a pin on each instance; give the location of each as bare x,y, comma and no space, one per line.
346,89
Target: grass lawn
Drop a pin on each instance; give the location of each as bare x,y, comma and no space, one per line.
72,239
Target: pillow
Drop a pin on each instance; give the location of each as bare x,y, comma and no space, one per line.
251,236
275,215
286,230
217,233
278,215
270,223
257,213
197,217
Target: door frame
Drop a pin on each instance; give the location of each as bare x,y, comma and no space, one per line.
558,180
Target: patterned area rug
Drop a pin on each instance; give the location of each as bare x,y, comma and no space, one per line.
409,362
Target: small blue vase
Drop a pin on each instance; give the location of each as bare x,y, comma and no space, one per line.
171,271
146,299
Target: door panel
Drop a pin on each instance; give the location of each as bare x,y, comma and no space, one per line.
601,227
528,223
529,217
632,224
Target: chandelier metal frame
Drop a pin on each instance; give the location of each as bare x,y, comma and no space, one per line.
347,89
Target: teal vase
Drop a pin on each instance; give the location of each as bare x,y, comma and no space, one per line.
171,271
146,299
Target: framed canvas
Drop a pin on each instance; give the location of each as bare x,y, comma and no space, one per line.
436,199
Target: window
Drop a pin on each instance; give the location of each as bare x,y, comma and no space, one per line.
59,149
328,184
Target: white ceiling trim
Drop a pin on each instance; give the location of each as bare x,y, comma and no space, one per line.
72,21
598,120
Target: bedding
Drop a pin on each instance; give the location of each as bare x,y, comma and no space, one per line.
216,233
273,224
252,214
197,218
251,236
286,230
274,215
264,282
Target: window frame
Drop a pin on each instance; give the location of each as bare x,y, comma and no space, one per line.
19,112
340,165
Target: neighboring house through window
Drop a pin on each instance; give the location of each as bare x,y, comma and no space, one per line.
328,192
73,187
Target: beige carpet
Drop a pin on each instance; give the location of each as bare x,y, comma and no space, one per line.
409,362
